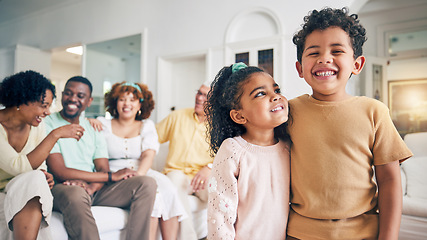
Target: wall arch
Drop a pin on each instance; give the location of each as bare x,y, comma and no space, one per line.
241,27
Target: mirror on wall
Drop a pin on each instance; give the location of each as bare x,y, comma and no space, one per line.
407,43
108,62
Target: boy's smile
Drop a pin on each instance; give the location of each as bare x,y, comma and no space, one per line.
328,62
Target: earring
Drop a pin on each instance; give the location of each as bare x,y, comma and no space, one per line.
139,112
17,108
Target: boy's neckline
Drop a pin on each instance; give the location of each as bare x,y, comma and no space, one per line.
340,99
349,97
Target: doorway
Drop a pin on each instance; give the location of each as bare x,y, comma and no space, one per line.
179,78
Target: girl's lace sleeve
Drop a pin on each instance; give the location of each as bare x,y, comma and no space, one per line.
223,194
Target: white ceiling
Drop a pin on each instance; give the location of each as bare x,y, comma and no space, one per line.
382,5
13,9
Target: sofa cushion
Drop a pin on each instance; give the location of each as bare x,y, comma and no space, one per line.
110,222
109,218
415,170
414,207
417,143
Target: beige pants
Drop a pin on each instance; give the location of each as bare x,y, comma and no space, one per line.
136,194
182,182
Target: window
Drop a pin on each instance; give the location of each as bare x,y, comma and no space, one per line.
243,57
263,58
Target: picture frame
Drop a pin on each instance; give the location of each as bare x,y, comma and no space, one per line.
408,105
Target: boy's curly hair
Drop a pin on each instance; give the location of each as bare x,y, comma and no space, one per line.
147,104
23,88
328,17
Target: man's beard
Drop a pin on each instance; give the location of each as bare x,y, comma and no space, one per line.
69,116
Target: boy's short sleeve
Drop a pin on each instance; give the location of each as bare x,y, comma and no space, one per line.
388,145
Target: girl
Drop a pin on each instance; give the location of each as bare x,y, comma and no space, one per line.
250,177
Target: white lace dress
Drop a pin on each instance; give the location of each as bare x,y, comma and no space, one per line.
125,153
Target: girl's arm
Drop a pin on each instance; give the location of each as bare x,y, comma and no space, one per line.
223,195
40,153
389,200
16,163
146,161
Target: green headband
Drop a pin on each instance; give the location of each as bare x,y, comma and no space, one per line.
237,66
134,85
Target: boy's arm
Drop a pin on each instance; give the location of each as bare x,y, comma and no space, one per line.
389,199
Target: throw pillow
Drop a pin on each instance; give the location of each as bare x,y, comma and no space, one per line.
416,177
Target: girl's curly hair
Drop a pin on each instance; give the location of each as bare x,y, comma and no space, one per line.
225,94
23,88
145,96
328,17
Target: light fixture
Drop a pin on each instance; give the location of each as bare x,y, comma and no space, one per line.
76,50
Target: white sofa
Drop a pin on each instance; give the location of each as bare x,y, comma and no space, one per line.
414,185
112,221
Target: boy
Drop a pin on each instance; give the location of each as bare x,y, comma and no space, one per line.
338,138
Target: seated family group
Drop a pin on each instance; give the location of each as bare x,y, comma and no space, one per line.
103,162
343,183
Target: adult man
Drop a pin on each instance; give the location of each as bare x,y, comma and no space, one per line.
82,167
188,163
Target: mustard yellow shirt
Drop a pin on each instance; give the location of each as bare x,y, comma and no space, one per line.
188,146
335,146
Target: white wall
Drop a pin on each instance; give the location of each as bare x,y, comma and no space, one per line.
374,20
379,21
30,58
7,62
102,67
173,27
59,74
407,69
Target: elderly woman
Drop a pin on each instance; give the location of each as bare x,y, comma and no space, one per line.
24,183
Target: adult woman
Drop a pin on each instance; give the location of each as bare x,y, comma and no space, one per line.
133,143
24,189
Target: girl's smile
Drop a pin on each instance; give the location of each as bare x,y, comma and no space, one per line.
262,107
